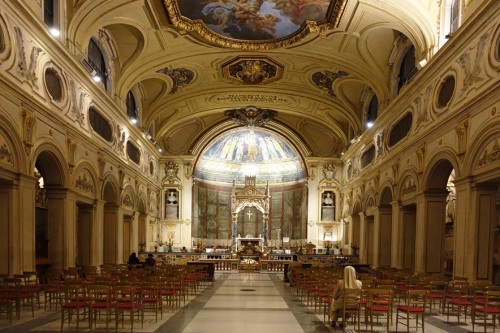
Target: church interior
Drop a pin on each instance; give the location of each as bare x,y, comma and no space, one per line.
226,137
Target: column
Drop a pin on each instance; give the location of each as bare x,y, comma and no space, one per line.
474,231
363,241
383,218
430,231
61,206
98,234
396,249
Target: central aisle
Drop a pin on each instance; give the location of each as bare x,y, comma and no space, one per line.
248,302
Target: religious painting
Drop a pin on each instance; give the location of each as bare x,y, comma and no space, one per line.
250,152
254,19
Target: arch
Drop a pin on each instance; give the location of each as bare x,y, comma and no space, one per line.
86,166
54,167
109,191
128,197
370,200
357,207
405,182
441,165
481,145
386,196
8,131
142,200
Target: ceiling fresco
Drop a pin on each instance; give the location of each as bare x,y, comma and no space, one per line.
241,22
254,19
250,152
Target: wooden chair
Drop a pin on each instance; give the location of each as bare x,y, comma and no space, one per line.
463,301
351,307
75,302
414,308
380,302
127,300
489,308
101,300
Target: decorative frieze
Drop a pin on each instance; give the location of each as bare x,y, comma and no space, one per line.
252,98
84,184
489,156
410,186
5,154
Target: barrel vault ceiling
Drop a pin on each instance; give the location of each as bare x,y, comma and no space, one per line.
186,79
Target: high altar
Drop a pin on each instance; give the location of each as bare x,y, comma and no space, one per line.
254,241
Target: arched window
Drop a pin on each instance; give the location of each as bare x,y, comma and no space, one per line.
372,112
454,16
97,62
49,12
408,69
131,107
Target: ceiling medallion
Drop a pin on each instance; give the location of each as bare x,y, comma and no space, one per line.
180,76
254,24
251,116
325,80
252,70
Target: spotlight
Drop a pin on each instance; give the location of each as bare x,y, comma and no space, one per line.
369,124
160,150
96,78
55,32
133,120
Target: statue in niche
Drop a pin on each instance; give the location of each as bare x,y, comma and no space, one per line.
327,199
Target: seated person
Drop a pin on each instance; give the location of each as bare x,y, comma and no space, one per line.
150,260
133,259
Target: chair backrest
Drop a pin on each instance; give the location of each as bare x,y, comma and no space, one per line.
352,299
492,299
380,296
416,298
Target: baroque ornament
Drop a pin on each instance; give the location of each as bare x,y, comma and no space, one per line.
251,116
180,76
252,71
329,171
27,71
76,110
172,173
325,80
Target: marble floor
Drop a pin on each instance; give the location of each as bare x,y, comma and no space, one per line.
234,302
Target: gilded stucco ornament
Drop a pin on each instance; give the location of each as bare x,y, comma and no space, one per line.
325,80
252,70
180,77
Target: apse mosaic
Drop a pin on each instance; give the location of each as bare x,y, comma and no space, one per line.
250,152
254,19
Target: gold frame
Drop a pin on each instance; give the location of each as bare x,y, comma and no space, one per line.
198,27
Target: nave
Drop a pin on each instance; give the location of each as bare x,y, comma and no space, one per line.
234,302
